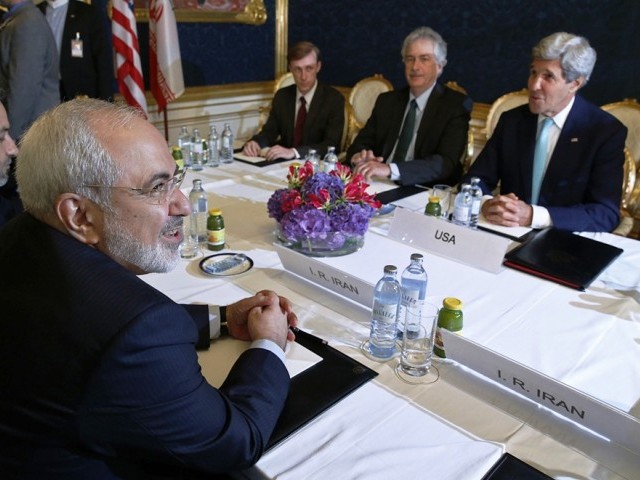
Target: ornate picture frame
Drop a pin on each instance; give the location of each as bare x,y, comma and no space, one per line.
250,12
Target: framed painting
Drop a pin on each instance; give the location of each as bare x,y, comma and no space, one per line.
251,12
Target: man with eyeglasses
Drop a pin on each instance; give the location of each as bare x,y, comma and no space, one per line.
99,376
304,116
418,134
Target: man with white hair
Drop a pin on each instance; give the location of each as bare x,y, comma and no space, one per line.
416,134
10,204
100,377
559,159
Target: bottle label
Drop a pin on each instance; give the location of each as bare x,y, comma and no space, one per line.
201,205
410,297
215,237
461,214
383,312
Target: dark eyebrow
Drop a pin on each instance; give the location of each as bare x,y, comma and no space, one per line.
158,176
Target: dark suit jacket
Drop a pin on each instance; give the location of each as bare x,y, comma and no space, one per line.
100,377
323,127
440,141
582,186
91,74
28,67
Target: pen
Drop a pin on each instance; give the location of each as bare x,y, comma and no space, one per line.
302,334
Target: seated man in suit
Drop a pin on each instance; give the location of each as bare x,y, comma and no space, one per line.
100,377
559,159
10,204
304,116
417,134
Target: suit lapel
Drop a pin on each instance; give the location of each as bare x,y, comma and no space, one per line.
288,115
313,111
429,114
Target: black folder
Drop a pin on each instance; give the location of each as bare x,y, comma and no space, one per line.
398,193
563,257
509,467
319,387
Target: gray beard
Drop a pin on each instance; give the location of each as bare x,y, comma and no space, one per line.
123,246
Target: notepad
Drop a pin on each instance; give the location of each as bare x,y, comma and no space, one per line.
563,257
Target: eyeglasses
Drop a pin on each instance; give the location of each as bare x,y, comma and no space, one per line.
156,195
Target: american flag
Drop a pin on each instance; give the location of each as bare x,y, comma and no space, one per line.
165,65
125,44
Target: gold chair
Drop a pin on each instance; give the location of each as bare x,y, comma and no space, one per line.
502,104
467,156
282,81
628,112
630,194
362,98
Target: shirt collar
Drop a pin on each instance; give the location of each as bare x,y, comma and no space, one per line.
423,98
561,117
57,3
309,95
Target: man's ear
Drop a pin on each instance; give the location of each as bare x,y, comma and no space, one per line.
80,217
576,84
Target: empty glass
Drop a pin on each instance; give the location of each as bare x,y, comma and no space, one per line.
189,247
417,346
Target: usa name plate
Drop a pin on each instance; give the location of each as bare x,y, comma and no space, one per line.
475,248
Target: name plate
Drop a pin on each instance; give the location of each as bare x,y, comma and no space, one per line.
475,248
583,409
326,276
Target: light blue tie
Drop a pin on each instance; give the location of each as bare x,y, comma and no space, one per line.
540,159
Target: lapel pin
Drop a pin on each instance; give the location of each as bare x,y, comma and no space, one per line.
574,140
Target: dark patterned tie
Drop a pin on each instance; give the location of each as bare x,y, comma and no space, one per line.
406,134
299,127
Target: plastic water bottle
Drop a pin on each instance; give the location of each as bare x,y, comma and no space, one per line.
184,142
386,300
226,147
413,281
199,208
330,160
476,201
196,151
462,206
314,158
214,147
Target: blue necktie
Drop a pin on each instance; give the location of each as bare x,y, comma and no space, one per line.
406,134
540,160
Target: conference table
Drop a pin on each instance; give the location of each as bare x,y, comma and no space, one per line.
459,426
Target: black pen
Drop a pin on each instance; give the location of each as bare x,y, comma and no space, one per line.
297,332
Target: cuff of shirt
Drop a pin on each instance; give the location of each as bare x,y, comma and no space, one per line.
269,345
395,172
296,152
215,320
541,217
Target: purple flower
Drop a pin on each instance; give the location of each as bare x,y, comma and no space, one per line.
274,205
305,222
351,218
325,181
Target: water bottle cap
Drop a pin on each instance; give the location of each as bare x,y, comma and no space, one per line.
416,256
390,269
215,211
452,303
197,182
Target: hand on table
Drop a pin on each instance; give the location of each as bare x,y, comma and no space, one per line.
251,148
368,165
263,316
278,151
507,210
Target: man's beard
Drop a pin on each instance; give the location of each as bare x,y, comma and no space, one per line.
125,247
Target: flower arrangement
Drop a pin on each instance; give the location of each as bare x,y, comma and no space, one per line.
323,212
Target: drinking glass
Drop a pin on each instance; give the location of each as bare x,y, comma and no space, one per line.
417,347
443,192
189,247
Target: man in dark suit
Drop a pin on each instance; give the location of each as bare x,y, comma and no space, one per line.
100,377
307,115
86,59
417,134
559,159
10,204
28,65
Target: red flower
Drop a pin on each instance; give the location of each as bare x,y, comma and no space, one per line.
291,200
298,174
322,200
